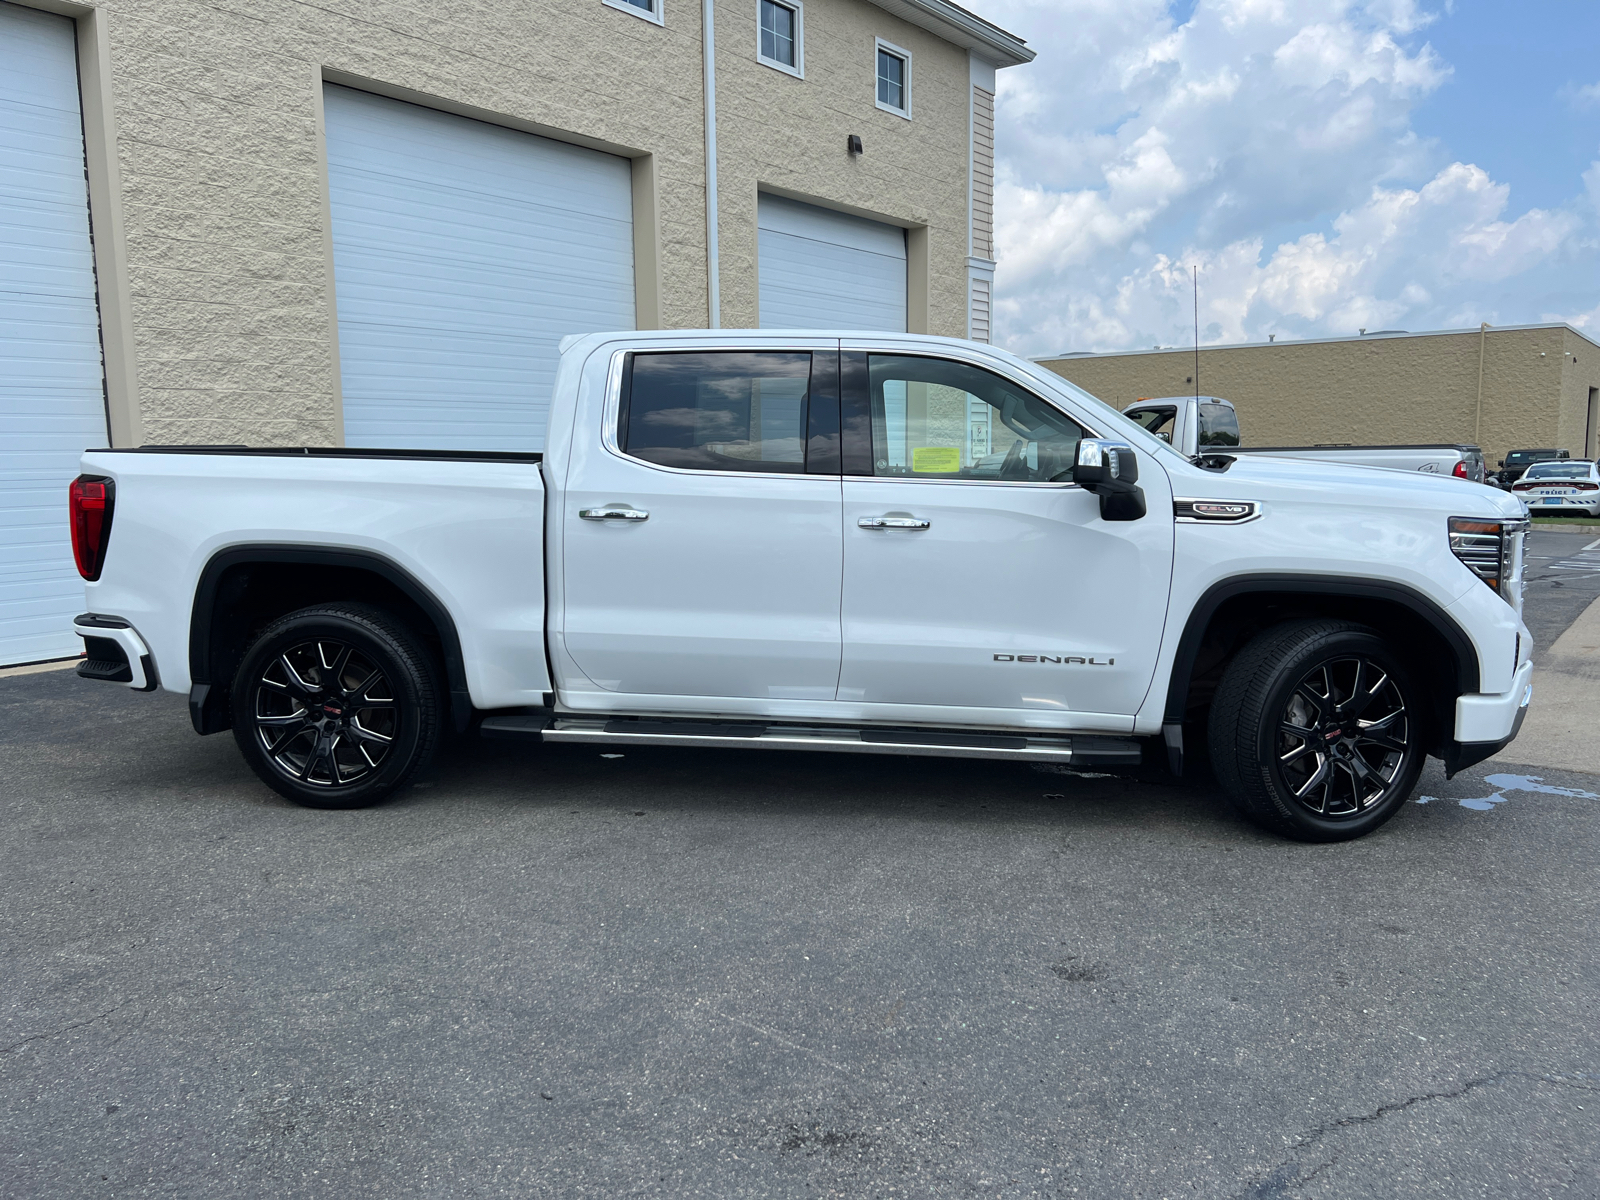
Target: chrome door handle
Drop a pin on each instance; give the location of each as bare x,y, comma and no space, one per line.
893,523
613,514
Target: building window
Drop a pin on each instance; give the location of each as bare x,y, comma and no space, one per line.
779,35
894,79
650,10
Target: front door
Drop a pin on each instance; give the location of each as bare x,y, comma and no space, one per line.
980,585
701,543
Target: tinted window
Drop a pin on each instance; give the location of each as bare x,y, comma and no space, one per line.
721,411
1219,425
1577,470
936,419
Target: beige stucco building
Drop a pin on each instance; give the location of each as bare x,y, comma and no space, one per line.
278,223
1522,386
215,225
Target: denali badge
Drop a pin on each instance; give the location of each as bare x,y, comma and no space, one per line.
1090,661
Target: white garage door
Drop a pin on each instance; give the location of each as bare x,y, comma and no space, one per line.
824,270
52,400
463,253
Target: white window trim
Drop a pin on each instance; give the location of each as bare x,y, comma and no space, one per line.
654,18
798,8
905,56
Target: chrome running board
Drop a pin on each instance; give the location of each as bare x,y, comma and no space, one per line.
1082,749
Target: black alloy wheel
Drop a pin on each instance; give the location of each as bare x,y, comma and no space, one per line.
325,713
1342,738
336,706
1317,730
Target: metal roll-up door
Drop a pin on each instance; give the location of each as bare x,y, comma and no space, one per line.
52,397
822,269
463,253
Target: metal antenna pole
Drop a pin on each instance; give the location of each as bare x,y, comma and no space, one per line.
1197,334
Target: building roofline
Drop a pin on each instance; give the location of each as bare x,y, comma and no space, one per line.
1383,336
956,25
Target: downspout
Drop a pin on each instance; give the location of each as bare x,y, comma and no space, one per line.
1477,424
708,42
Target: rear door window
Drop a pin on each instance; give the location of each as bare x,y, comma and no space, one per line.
718,410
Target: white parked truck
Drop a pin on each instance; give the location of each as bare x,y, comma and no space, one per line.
883,544
1206,424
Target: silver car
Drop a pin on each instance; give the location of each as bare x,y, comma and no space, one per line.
1560,488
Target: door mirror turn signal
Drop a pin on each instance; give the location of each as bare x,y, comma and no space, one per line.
1111,471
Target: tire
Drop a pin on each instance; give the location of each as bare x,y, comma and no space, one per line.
1351,765
336,706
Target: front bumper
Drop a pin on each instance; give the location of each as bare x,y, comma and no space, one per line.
116,652
1487,723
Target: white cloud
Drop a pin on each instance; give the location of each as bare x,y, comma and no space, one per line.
1584,97
1269,142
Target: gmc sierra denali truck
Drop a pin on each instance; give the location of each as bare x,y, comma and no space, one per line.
884,544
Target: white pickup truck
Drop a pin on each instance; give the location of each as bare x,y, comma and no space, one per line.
887,544
1203,424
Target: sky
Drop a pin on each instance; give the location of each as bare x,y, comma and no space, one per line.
1328,165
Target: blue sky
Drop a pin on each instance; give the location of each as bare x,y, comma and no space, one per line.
1328,164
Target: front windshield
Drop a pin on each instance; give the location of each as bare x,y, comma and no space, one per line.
1577,470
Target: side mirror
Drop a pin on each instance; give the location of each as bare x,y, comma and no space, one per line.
1111,471
1166,436
1502,462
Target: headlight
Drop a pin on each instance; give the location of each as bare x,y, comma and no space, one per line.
1492,550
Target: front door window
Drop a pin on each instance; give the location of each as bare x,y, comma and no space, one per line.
937,419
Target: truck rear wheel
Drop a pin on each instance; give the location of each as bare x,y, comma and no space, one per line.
336,706
1317,730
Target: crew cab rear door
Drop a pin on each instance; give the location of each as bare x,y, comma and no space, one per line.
700,532
976,577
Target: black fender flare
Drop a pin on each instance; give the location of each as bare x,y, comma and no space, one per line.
1468,669
206,700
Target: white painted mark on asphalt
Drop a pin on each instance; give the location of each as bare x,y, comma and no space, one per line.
1514,783
783,1041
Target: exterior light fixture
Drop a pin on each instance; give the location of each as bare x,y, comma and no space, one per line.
854,144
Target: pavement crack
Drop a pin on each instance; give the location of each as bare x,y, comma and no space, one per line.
40,1037
1314,1136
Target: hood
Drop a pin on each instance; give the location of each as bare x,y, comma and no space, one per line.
1259,477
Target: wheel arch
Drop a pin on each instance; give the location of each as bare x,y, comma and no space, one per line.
1233,610
242,587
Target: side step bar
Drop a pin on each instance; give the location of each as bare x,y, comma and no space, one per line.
1082,749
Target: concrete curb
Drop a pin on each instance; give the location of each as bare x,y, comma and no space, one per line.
1560,730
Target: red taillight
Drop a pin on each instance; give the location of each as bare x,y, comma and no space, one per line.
1461,469
90,502
1522,487
1587,487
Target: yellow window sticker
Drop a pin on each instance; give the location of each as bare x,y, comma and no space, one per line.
936,460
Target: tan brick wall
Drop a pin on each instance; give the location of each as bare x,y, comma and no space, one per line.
221,167
789,136
1376,390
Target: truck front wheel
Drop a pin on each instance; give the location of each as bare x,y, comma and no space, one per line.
1317,730
336,706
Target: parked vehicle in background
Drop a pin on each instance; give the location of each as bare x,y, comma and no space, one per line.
1514,464
1560,489
857,543
1208,424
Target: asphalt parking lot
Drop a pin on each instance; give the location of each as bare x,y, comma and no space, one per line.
549,972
